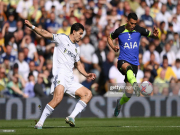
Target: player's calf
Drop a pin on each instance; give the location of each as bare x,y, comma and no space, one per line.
132,80
120,102
85,96
49,108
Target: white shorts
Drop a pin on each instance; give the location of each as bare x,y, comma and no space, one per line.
70,86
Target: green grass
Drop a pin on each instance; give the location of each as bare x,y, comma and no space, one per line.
96,126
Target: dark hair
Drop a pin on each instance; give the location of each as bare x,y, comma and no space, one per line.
161,23
152,54
30,74
170,24
15,65
177,60
133,16
151,44
76,27
165,57
20,51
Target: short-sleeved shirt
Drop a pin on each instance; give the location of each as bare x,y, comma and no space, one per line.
66,53
129,42
11,84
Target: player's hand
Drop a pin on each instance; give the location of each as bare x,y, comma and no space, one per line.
91,76
155,32
116,48
27,23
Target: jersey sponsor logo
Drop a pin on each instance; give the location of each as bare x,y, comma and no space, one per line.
129,36
65,50
131,45
69,53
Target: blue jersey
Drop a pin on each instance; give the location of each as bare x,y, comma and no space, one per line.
129,42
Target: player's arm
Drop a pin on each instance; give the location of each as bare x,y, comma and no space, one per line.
81,69
113,36
39,31
147,33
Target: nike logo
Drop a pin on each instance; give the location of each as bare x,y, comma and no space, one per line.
129,38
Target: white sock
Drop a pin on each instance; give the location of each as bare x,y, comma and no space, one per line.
47,111
78,108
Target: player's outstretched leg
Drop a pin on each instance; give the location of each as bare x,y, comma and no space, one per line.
85,96
132,80
125,98
57,97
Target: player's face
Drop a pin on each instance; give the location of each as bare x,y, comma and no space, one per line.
78,35
131,24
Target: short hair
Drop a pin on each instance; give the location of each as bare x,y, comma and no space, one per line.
21,51
161,23
170,24
76,27
86,36
15,65
177,60
8,46
151,44
165,57
30,74
133,16
152,54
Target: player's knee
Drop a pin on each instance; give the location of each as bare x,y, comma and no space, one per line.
89,95
129,68
57,98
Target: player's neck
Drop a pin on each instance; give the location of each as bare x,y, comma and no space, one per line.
71,38
127,27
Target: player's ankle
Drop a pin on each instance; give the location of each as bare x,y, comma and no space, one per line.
39,122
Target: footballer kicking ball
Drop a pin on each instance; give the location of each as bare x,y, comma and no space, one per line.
146,88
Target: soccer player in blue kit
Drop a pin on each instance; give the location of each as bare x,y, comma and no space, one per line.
129,38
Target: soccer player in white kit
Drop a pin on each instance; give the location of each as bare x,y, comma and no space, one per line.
66,55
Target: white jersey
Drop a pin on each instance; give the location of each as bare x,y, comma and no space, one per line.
65,55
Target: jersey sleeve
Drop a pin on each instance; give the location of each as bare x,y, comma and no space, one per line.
143,31
116,33
56,38
77,56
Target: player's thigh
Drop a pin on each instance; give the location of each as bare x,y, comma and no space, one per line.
57,96
72,88
59,91
122,65
58,86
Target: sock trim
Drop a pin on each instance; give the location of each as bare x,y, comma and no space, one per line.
49,108
82,103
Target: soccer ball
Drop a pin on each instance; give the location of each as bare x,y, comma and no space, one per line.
146,88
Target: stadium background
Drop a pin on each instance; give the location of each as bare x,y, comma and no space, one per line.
26,58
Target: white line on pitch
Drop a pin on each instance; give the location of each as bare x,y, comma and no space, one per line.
52,126
151,126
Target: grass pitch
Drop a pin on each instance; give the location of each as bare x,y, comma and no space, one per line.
96,126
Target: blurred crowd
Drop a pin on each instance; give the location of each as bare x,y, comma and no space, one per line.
26,58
